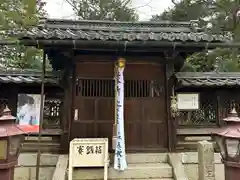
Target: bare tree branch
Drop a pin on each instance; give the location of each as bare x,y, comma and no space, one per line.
125,3
174,2
71,3
145,5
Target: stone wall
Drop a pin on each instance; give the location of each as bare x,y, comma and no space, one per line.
26,169
190,162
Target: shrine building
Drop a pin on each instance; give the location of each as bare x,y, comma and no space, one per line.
87,51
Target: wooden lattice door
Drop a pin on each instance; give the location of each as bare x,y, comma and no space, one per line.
144,111
94,101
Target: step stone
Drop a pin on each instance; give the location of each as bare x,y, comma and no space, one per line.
137,179
134,171
152,179
140,179
144,158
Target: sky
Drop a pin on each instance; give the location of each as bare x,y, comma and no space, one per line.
145,8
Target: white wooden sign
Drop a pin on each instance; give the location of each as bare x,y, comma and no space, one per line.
188,101
91,152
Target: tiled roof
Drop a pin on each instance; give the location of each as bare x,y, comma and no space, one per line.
210,79
121,31
27,77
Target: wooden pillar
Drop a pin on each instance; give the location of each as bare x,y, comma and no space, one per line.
12,96
218,109
72,92
67,84
64,62
170,121
41,115
64,114
169,88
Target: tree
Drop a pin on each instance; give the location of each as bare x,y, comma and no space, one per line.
214,16
222,60
113,10
185,10
18,15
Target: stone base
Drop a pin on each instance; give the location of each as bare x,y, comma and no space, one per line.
140,166
27,173
134,171
26,168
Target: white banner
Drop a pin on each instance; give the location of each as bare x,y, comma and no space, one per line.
120,154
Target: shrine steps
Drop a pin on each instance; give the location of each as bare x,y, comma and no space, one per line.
134,171
134,158
153,166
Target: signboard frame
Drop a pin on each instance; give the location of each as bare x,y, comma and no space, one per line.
192,106
88,152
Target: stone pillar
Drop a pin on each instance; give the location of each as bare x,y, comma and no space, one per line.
206,164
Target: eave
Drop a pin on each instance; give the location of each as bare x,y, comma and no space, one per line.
208,79
123,36
128,46
27,77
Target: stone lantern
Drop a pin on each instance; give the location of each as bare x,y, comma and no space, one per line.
228,140
10,141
